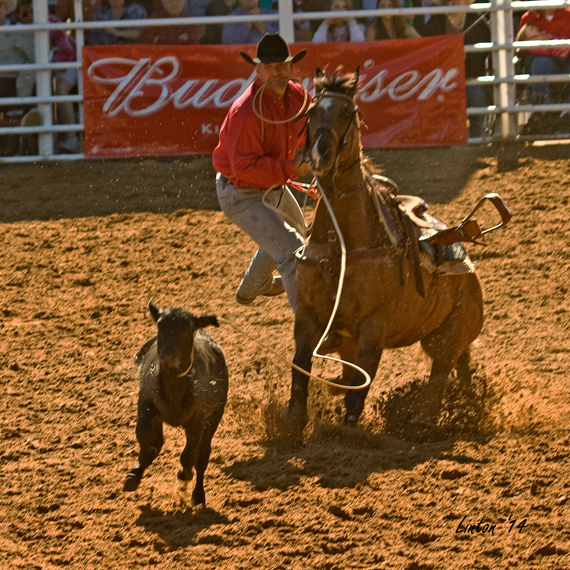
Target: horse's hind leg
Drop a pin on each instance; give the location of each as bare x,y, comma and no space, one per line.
463,368
448,346
151,439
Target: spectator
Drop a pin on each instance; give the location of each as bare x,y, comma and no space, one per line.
339,29
65,10
117,10
63,50
213,32
545,25
6,8
248,32
171,35
305,29
16,49
389,27
475,29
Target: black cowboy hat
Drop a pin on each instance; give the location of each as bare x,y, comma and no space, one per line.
272,48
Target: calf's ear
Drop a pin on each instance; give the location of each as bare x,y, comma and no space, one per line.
154,309
206,320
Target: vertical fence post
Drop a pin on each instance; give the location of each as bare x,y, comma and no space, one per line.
79,43
286,25
43,76
505,93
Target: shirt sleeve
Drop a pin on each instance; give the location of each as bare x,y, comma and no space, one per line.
356,31
320,36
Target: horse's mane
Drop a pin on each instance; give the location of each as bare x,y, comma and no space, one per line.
337,83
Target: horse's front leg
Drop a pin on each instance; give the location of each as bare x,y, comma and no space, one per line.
369,354
296,412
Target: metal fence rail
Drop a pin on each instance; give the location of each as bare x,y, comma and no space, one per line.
508,112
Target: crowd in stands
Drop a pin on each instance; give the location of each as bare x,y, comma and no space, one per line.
534,25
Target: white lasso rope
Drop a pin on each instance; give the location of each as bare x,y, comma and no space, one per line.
367,378
287,360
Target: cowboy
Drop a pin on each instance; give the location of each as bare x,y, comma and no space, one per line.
255,157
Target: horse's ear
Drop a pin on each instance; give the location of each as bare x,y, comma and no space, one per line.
354,81
319,76
206,320
154,309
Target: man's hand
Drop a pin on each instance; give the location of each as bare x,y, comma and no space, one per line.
302,165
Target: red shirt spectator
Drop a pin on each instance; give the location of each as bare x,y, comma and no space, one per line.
555,23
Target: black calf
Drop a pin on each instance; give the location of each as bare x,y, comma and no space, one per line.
183,382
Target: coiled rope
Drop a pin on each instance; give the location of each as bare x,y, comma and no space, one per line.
257,107
367,379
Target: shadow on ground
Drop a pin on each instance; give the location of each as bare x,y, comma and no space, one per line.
104,187
337,459
164,185
179,529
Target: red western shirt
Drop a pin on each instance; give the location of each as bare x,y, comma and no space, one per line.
251,160
558,26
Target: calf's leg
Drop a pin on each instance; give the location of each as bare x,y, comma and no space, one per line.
151,439
194,429
204,450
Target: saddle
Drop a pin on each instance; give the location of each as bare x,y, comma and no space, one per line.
433,238
468,231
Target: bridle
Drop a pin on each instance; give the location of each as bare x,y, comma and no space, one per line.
341,142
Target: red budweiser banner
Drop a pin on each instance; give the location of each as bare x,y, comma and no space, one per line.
144,100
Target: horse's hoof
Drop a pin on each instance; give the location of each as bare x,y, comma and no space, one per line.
132,483
295,422
198,497
185,476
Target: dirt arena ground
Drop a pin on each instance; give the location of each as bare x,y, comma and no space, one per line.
85,246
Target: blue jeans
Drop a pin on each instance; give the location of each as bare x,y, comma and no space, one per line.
278,235
537,64
476,97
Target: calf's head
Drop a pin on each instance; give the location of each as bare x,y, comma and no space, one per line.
175,339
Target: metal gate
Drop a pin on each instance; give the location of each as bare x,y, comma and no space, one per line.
505,117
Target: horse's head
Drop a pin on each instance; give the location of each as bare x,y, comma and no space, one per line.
175,339
332,121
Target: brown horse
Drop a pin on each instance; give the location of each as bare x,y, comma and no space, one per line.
381,304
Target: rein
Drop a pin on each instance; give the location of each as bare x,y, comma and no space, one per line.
341,142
